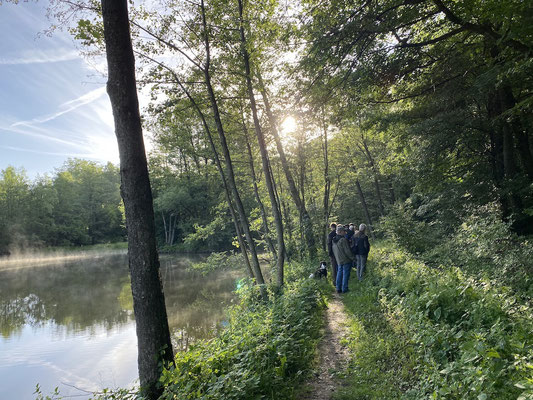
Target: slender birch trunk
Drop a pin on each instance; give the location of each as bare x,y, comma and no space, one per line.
305,220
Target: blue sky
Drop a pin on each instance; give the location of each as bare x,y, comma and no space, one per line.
53,103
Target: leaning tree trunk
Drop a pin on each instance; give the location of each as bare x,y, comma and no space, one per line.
153,336
227,157
227,193
264,154
327,185
305,219
264,218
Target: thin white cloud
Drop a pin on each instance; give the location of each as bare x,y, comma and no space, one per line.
40,133
48,153
65,107
41,58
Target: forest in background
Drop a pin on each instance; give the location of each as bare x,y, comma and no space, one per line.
79,205
411,116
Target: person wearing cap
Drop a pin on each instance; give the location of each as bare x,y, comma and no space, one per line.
344,257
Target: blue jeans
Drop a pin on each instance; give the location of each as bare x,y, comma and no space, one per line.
361,265
343,275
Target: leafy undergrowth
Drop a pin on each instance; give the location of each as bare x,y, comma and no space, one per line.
266,348
428,333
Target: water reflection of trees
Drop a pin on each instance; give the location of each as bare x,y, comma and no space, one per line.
77,296
196,304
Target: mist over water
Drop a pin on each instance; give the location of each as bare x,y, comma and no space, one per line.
69,321
32,257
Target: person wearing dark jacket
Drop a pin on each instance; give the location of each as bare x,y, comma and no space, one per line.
349,235
345,258
361,250
330,253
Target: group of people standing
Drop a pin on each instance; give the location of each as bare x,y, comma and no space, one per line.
347,248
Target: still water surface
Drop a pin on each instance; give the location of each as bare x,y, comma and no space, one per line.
70,323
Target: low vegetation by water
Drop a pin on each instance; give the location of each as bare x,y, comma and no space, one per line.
266,350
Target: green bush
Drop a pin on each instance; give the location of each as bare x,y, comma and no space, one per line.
472,337
481,244
266,347
411,228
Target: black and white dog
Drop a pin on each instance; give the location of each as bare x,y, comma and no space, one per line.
322,271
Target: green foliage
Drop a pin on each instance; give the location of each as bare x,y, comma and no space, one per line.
105,394
265,349
476,239
189,214
80,205
216,261
407,228
464,336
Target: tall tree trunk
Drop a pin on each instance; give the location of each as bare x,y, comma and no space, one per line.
268,240
227,192
173,231
501,100
227,157
516,131
264,154
327,184
300,206
496,141
194,155
375,175
153,336
526,159
165,227
365,207
391,191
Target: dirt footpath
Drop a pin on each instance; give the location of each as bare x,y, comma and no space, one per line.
333,356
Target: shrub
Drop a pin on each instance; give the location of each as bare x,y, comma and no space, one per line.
473,338
266,347
481,244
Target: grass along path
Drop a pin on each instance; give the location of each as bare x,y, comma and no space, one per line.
332,353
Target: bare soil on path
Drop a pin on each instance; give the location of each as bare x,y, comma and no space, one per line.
333,356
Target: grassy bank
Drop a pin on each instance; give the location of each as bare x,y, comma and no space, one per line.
436,333
266,349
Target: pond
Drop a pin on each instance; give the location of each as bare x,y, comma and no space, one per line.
69,323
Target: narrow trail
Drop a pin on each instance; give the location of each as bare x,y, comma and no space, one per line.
333,356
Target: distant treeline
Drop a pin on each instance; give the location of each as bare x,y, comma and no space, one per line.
79,205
